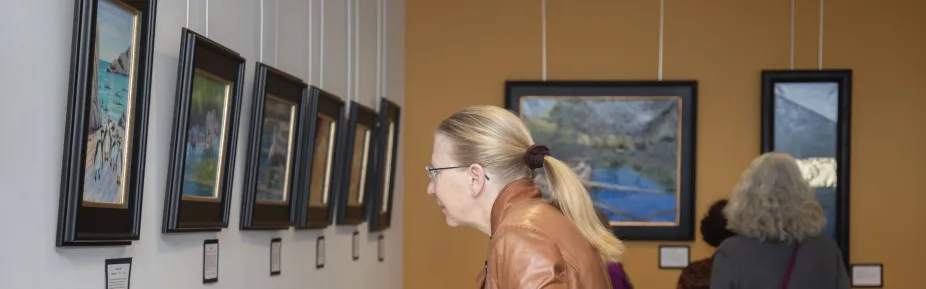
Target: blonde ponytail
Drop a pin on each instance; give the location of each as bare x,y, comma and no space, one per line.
496,138
573,200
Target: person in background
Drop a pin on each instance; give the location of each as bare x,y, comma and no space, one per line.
779,222
713,231
481,174
619,278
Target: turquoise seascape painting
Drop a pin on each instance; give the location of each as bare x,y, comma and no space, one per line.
110,104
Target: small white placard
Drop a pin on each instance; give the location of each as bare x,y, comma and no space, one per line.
673,257
320,252
356,246
211,261
866,275
118,272
276,248
381,248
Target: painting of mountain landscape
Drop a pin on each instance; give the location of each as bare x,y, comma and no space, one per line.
110,105
625,149
806,117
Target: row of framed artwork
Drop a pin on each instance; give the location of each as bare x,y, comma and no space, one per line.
633,143
313,159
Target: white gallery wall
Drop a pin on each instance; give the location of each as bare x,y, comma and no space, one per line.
328,43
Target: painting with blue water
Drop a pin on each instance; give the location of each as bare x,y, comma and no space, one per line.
110,105
625,149
203,161
276,150
806,118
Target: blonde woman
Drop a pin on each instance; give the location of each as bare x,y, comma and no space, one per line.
779,223
481,173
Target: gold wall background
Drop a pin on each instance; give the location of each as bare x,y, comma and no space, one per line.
459,53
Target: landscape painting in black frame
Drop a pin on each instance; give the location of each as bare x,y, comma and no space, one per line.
807,114
210,80
275,151
357,165
320,179
102,175
387,149
632,143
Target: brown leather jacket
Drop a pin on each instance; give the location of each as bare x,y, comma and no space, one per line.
535,246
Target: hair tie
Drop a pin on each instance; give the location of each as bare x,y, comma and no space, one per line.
533,157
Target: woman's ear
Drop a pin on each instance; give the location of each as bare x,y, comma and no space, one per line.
476,174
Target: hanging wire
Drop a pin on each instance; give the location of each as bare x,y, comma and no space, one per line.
276,34
543,39
321,44
311,32
350,50
661,25
207,18
820,46
792,35
187,25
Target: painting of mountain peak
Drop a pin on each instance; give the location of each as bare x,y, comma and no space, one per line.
625,150
807,114
110,104
630,143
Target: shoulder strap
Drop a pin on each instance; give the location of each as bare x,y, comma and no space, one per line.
787,278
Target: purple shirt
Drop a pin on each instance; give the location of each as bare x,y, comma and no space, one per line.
619,279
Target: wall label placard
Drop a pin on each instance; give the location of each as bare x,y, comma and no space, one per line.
211,261
118,273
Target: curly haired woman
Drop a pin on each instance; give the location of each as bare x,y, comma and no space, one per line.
779,222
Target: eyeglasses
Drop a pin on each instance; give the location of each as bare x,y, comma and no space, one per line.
432,172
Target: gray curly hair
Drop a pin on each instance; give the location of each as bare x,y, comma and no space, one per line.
773,201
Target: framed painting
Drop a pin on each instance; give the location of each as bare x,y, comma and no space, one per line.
386,133
807,114
320,175
358,165
632,143
210,80
107,121
274,154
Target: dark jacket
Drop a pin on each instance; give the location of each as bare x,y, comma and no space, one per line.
746,263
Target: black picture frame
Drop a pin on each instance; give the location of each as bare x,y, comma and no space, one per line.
387,134
213,64
100,221
349,213
821,113
687,250
626,151
280,90
325,108
852,272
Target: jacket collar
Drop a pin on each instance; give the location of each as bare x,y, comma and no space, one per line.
513,193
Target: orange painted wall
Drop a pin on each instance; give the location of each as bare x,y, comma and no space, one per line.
459,53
